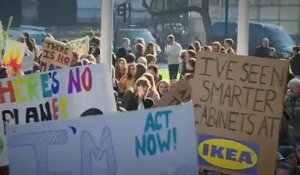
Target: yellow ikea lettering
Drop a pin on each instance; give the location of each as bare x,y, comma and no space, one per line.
227,154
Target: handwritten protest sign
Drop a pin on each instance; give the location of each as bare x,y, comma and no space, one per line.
81,46
54,95
150,142
56,54
239,103
14,53
179,93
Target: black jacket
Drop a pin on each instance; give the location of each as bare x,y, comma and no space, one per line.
295,64
132,103
122,52
262,52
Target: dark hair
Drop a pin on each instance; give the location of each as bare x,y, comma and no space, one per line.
191,47
140,47
296,48
130,58
285,151
182,54
91,112
117,68
148,51
192,53
129,75
229,41
154,68
95,40
140,70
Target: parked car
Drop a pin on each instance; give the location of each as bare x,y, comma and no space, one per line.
278,37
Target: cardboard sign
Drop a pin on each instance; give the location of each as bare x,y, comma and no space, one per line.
238,106
27,63
179,93
57,54
149,142
81,46
54,95
14,53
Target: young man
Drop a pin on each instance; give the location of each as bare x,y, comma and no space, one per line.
125,49
173,50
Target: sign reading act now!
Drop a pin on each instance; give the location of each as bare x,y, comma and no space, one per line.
238,106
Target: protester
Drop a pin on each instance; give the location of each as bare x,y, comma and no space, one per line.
153,70
140,70
140,41
153,94
188,66
191,47
223,50
228,44
139,100
139,50
292,99
273,53
95,41
130,58
173,51
121,67
128,81
150,49
142,60
151,59
263,50
183,57
163,87
216,46
197,46
27,41
295,62
35,50
125,49
207,48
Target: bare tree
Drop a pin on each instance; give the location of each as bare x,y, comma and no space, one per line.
203,11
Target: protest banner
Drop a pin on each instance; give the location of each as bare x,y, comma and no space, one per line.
179,93
56,54
149,142
14,53
27,63
54,95
238,107
81,45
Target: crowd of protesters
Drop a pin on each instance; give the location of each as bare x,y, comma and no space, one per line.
138,85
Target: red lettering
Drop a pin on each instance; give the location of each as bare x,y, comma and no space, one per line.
86,78
54,108
9,89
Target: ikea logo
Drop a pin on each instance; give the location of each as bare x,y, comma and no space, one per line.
227,154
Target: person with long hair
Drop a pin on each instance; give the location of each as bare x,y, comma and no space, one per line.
153,94
153,69
128,81
140,70
163,87
139,99
121,67
150,49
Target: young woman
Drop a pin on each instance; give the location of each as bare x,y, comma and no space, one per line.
153,94
163,87
128,81
140,50
140,70
150,49
153,70
121,67
139,100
